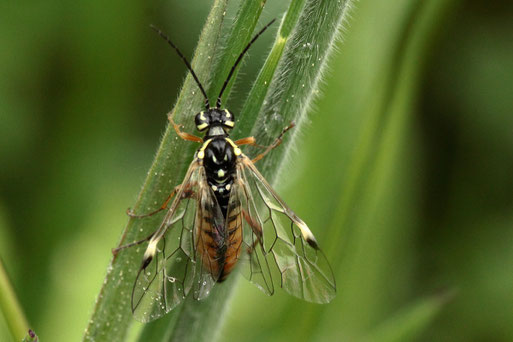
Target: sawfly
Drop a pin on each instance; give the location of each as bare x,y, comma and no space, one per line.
225,215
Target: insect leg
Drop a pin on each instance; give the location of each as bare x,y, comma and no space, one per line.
116,250
276,143
130,213
187,193
184,135
248,141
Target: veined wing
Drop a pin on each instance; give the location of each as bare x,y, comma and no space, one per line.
171,267
305,272
252,258
209,225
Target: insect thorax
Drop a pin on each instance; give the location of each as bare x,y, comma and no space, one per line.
219,163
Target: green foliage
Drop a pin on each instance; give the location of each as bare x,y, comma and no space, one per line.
311,25
401,165
10,309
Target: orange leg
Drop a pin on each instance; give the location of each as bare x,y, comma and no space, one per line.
251,141
185,194
184,135
130,213
248,141
115,251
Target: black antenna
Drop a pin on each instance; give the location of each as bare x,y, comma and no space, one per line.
207,105
239,59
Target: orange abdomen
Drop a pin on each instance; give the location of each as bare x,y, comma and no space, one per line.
220,247
233,242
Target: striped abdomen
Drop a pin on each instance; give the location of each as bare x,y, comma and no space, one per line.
233,241
218,245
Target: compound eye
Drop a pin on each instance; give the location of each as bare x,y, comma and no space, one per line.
229,120
202,121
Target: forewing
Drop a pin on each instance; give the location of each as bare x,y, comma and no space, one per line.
165,280
305,272
253,262
209,224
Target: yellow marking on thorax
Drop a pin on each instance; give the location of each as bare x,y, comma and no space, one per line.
201,152
236,148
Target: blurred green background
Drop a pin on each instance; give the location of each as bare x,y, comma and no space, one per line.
404,174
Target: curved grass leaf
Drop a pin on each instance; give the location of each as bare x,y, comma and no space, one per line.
296,74
259,90
240,34
296,79
10,308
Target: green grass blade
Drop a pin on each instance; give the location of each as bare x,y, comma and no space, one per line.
296,79
112,316
10,308
259,90
239,36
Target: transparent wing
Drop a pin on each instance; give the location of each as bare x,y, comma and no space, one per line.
170,267
305,272
209,222
253,260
